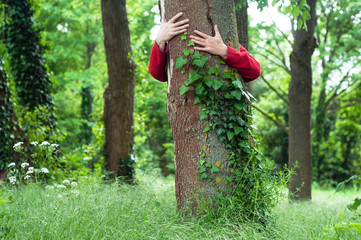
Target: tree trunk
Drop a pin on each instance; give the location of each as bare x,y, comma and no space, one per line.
119,95
300,91
242,22
27,63
10,132
184,115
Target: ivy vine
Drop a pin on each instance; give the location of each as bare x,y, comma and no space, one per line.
224,102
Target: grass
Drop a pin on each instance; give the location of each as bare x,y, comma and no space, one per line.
93,210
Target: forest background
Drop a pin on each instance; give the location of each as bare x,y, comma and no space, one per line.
72,37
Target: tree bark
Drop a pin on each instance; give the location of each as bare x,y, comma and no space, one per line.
119,95
242,22
300,91
183,114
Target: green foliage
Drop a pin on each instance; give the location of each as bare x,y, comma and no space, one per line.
224,103
25,54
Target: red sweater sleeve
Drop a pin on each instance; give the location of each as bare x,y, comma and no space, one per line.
246,65
157,63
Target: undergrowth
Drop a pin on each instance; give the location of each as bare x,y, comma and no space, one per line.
93,210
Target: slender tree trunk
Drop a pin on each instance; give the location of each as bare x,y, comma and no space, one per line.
242,21
184,115
300,91
119,95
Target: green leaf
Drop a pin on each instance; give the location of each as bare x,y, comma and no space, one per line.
201,162
186,52
227,75
202,169
296,11
203,115
200,62
203,175
192,77
196,55
237,129
183,37
196,100
206,129
356,225
180,62
214,169
230,135
209,164
354,205
213,70
288,9
237,94
238,84
183,89
340,187
216,84
299,24
191,43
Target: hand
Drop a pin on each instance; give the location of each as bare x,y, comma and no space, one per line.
213,45
170,29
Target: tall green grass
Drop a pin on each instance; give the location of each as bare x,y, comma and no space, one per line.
93,210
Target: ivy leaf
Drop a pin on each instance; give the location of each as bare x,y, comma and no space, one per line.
196,55
227,75
208,82
183,37
214,169
237,94
203,115
230,135
237,129
183,89
196,100
216,84
206,129
191,43
200,62
202,169
201,162
238,84
213,70
180,62
186,52
203,175
192,77
209,164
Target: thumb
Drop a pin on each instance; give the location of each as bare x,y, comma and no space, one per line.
163,17
216,31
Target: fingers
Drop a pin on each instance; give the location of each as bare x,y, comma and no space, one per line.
216,30
201,34
173,19
181,22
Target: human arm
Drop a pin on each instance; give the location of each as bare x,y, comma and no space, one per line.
158,55
242,61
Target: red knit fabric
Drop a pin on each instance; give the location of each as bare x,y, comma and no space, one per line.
242,61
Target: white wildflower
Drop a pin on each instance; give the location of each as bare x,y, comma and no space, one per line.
59,195
11,165
30,170
12,179
34,143
18,144
54,145
27,177
44,170
61,186
74,184
66,181
49,187
24,165
75,192
45,143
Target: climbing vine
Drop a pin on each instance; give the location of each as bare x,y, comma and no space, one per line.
224,103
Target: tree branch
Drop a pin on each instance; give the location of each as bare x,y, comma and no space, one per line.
275,121
280,95
345,106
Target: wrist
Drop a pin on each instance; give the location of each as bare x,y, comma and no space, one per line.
224,52
161,44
